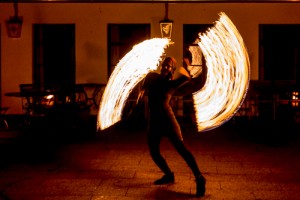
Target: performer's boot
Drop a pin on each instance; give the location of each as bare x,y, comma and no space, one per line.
200,186
167,178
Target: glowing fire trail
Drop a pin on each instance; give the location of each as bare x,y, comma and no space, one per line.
226,82
132,68
227,75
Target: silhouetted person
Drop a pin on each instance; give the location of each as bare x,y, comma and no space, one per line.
163,123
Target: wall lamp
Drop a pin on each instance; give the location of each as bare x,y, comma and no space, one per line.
166,25
14,24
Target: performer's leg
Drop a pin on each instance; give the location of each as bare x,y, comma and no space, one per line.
153,144
186,155
190,160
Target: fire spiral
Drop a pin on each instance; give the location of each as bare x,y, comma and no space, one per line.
215,103
132,68
227,78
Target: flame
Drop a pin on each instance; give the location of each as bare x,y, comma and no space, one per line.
227,75
226,82
131,69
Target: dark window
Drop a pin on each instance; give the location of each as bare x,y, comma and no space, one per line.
190,44
121,39
191,32
54,54
279,52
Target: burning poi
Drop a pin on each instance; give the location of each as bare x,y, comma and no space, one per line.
215,103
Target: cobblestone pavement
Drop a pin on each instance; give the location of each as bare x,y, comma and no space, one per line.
243,162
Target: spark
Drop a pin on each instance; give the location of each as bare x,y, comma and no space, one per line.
131,69
227,78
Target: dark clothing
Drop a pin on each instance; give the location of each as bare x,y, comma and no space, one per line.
162,118
163,122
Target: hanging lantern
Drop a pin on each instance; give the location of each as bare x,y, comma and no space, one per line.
166,25
14,24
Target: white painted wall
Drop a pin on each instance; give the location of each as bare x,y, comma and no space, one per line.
91,21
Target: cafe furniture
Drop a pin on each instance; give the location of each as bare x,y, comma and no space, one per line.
3,120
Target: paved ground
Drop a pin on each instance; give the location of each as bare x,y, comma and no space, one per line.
237,160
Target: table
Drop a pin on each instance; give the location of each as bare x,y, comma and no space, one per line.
3,121
65,106
83,95
94,92
34,102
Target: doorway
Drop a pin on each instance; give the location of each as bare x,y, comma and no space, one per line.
279,53
121,39
54,55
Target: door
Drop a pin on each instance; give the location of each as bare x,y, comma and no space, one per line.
54,55
121,39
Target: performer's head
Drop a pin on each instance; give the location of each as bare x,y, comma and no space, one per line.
168,67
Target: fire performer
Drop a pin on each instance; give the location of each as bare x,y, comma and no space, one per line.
163,123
